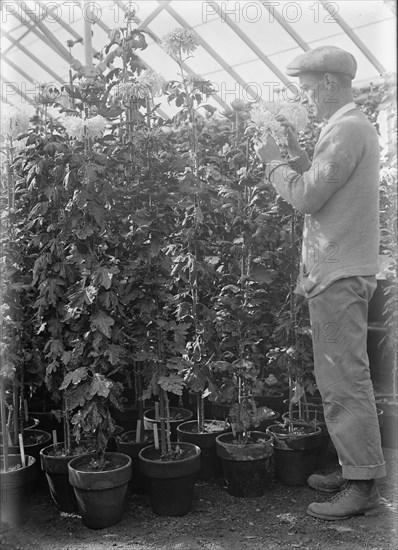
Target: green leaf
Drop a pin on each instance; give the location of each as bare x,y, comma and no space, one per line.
56,348
102,322
85,232
74,377
172,383
115,354
100,386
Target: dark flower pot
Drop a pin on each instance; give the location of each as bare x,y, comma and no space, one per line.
210,465
388,420
111,446
170,482
189,401
127,445
178,416
246,468
16,489
127,418
295,454
34,442
315,418
48,422
56,469
273,399
274,417
100,494
220,411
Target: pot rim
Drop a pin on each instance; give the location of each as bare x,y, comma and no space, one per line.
172,421
317,430
179,461
180,427
90,456
219,438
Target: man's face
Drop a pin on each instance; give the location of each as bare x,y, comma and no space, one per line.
316,92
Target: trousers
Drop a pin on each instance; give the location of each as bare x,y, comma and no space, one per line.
339,319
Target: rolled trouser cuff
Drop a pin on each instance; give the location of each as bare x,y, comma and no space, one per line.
364,472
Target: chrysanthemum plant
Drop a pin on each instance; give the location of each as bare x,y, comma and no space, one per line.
246,304
292,335
81,181
191,247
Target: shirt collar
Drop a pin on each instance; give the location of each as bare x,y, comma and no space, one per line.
340,112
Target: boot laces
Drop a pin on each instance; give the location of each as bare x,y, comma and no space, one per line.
342,493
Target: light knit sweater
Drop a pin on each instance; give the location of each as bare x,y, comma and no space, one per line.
339,194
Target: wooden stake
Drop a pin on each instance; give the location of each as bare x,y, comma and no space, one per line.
138,432
55,440
7,439
22,450
156,436
157,417
25,406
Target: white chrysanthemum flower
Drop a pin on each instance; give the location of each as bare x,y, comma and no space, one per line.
14,121
263,117
146,84
296,114
79,128
179,41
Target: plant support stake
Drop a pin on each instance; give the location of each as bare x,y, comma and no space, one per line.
22,450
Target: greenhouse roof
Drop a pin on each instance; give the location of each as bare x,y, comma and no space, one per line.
244,45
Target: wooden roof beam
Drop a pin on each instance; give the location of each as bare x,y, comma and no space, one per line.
215,55
260,54
158,41
32,57
350,33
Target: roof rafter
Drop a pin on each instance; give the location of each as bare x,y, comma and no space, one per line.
288,28
357,41
260,54
215,55
51,39
158,40
33,57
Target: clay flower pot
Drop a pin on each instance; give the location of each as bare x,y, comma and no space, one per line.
210,465
55,465
16,488
295,452
246,467
100,494
178,415
127,444
171,481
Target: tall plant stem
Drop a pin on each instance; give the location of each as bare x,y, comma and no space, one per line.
138,395
167,411
66,425
15,411
200,412
292,328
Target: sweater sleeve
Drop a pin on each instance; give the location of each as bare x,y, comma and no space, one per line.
336,155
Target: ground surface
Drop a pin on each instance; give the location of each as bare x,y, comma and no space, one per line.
218,521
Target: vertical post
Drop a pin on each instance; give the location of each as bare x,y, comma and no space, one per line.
88,43
3,424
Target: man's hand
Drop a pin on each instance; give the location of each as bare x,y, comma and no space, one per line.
293,147
269,151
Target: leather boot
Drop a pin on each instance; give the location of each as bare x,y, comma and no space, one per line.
357,498
330,483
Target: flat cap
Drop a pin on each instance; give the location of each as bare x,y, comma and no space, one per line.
325,59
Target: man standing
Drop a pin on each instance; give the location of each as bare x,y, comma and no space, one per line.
339,194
